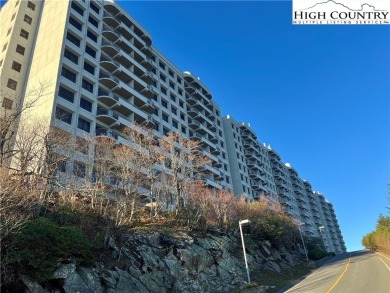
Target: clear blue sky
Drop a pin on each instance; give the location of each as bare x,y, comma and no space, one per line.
318,94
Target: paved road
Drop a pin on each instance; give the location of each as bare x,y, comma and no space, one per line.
353,272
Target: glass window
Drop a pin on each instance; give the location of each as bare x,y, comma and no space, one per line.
170,72
13,16
77,8
27,19
164,103
92,36
162,65
173,98
9,31
163,90
165,117
94,7
90,51
162,77
75,23
93,21
66,94
73,39
87,86
7,103
86,105
89,68
63,115
24,34
172,86
84,125
71,56
12,84
68,74
16,66
30,5
174,123
20,49
174,110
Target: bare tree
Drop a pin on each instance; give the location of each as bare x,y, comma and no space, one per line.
183,160
10,114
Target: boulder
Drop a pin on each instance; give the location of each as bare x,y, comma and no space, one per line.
62,271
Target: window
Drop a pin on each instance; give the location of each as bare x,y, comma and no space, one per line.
84,125
9,31
156,126
24,34
180,92
92,36
89,68
71,56
16,66
13,16
31,5
174,110
90,51
20,49
156,111
173,98
12,84
79,169
183,129
68,74
66,94
75,23
170,72
7,103
27,19
86,105
77,8
162,77
63,115
93,21
163,90
174,123
61,167
165,117
165,131
182,117
155,98
172,86
162,65
5,47
164,103
94,7
181,104
87,86
73,39
178,80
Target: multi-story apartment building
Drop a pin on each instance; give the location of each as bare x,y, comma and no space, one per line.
257,172
102,74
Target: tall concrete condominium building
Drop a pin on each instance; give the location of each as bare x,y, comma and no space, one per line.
102,73
257,171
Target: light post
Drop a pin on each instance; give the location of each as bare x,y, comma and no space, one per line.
243,247
303,242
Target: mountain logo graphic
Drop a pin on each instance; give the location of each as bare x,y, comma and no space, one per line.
341,12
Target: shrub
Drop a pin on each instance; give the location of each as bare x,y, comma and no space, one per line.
42,243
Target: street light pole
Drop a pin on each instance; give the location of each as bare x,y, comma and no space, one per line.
303,242
243,247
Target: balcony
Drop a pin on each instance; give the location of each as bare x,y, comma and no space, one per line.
217,164
107,116
110,34
108,80
107,98
147,77
148,91
110,48
108,64
189,88
106,133
147,50
110,19
148,107
147,63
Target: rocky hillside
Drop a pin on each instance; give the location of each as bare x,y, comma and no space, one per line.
156,262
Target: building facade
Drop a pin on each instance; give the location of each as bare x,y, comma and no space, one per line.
102,73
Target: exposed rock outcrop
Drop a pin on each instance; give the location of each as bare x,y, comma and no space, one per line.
159,263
